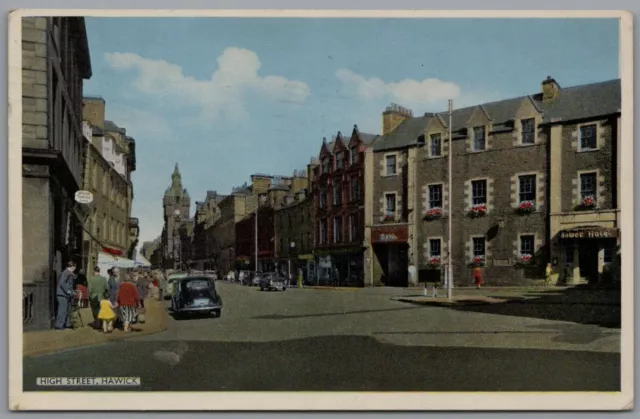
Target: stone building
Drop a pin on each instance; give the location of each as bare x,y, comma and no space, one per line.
176,205
294,240
207,213
339,196
55,61
527,172
109,161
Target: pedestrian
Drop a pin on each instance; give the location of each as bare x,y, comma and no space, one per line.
97,287
547,275
162,285
113,286
107,314
142,284
80,285
64,295
128,302
477,277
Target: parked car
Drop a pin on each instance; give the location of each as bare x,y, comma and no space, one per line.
273,281
196,295
171,280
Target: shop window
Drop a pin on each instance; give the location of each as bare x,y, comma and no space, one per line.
479,247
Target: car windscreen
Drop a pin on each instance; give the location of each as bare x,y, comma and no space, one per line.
198,284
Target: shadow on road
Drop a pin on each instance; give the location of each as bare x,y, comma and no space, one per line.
329,363
599,307
340,313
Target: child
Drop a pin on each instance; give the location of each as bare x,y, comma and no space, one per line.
477,277
547,275
106,314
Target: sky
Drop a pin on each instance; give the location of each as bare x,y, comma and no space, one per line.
228,97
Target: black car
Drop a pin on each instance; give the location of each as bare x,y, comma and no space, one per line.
196,295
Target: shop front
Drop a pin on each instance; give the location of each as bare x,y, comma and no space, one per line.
340,267
390,248
586,251
306,266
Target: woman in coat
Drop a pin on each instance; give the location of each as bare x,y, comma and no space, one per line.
128,302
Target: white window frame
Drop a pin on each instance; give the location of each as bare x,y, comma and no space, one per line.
386,202
435,239
439,134
596,126
395,164
429,186
473,138
486,191
595,192
535,188
473,247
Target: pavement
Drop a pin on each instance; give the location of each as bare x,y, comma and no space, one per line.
363,340
51,341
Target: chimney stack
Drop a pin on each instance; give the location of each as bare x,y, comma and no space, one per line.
393,116
550,89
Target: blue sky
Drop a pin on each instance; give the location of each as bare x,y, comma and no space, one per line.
226,98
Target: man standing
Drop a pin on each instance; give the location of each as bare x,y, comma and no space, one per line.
64,294
97,287
162,285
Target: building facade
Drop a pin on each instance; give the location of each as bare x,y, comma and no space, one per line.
534,181
338,191
176,205
55,61
294,240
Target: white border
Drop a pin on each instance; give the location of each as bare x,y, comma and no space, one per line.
387,401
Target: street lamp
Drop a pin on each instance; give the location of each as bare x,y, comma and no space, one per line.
176,252
292,246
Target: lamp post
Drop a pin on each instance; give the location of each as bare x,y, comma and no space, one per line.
176,252
260,200
292,247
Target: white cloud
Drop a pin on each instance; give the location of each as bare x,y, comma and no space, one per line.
140,123
406,92
223,95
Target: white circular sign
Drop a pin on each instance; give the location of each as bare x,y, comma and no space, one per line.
84,197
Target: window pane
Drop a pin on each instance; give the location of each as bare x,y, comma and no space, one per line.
478,192
434,247
436,145
391,204
478,247
391,165
588,185
527,188
588,139
435,196
527,245
528,131
478,139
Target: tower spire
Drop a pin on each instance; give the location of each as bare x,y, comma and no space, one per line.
176,171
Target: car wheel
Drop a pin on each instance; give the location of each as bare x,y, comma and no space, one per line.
284,288
217,313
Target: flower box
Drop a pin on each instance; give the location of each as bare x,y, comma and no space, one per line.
434,263
526,207
589,202
476,262
433,213
388,218
525,261
479,210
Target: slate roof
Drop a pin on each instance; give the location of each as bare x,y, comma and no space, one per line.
97,131
110,126
573,103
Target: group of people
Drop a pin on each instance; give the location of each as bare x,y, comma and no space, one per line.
115,301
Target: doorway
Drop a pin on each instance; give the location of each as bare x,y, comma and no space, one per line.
589,260
394,260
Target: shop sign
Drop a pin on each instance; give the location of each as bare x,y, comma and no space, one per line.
595,233
83,197
389,234
338,250
306,257
112,251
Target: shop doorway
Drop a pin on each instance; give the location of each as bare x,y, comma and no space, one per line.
589,260
394,261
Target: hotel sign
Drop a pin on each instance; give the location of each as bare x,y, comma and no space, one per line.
590,233
390,234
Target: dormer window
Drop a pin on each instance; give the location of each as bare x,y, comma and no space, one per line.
435,145
354,155
528,131
479,139
340,161
325,165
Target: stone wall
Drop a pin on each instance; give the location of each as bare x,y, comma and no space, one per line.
34,83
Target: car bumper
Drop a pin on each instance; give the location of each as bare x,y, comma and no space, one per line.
200,309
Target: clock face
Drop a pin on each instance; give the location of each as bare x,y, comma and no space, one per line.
177,212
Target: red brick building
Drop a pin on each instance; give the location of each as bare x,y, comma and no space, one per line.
245,241
338,193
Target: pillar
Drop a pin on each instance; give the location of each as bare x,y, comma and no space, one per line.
576,263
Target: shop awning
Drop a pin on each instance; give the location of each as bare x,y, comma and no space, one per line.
111,261
141,261
589,233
